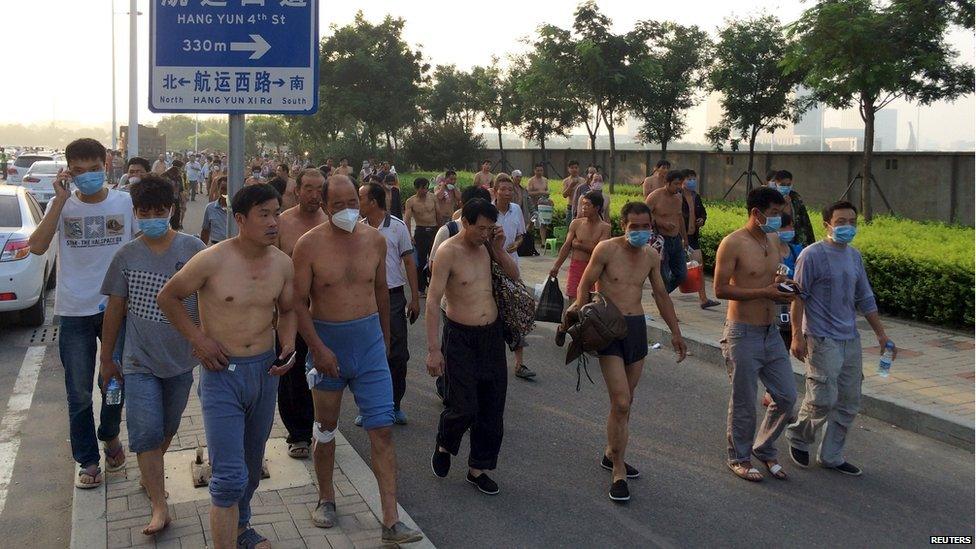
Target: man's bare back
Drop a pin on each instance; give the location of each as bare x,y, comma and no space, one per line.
666,211
238,297
292,225
344,270
752,266
468,289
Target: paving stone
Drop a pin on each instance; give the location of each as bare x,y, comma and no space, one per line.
340,542
286,529
116,505
270,518
118,538
353,509
168,544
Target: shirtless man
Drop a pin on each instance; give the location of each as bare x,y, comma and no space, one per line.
255,176
471,354
343,168
573,180
340,270
585,232
289,198
668,221
656,179
538,186
294,397
240,283
448,197
745,274
421,208
620,265
484,178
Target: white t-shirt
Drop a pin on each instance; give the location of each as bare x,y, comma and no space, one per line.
398,246
193,170
513,224
88,237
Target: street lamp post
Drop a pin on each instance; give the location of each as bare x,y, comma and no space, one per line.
115,139
133,148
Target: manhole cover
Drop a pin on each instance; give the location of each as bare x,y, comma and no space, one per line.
45,335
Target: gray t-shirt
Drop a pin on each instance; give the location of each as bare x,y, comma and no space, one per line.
833,287
152,344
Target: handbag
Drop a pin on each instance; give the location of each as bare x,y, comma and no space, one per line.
551,302
515,304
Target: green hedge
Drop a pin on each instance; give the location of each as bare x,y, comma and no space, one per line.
919,270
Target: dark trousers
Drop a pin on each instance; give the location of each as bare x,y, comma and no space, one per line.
674,266
476,379
294,397
423,238
399,353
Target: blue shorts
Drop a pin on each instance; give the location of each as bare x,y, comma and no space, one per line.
153,407
361,353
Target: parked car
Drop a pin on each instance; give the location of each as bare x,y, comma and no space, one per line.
25,278
17,170
39,179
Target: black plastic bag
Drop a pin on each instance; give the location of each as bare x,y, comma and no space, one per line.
551,303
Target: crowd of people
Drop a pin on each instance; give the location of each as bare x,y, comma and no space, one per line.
329,267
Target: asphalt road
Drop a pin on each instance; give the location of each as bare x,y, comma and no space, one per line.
553,493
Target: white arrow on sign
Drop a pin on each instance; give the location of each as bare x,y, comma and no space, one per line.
258,46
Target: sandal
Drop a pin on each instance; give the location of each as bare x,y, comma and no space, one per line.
773,467
93,472
250,539
114,459
745,470
298,450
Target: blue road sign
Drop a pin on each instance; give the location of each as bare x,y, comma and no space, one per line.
233,56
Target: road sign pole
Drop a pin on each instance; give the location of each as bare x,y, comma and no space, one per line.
133,148
235,166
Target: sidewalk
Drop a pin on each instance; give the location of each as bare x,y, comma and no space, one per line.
929,391
114,515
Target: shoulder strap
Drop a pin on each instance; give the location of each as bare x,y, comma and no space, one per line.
452,227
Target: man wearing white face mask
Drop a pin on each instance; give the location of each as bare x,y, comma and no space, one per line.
136,168
157,362
340,271
833,288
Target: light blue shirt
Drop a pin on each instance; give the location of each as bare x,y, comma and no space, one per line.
834,287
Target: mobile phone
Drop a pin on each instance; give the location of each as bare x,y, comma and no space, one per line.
787,288
282,361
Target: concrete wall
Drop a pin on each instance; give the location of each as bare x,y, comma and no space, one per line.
922,186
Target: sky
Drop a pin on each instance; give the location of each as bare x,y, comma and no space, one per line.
60,70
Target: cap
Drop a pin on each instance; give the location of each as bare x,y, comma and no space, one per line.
516,173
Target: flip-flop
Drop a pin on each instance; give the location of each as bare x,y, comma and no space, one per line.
776,469
249,539
96,478
298,450
740,470
114,455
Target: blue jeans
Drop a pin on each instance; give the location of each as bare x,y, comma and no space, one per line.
674,264
78,348
154,407
238,405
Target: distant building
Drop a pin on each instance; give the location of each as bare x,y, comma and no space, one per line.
151,142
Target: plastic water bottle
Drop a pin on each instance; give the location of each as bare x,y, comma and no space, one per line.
886,359
113,393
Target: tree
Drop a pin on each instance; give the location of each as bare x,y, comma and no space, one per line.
178,129
268,130
860,52
547,107
450,97
371,76
675,71
757,95
492,96
440,145
608,67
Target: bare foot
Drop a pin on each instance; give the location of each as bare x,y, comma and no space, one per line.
158,522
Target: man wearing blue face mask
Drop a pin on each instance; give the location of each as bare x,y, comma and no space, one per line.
802,227
157,362
621,265
834,287
91,224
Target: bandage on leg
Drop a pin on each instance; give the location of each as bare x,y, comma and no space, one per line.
321,435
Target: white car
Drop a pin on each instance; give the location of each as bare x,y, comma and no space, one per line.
39,179
17,170
25,278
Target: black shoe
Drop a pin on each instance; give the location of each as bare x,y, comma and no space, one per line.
440,463
607,464
619,491
485,484
846,468
800,457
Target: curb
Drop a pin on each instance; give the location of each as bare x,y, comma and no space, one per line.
900,413
89,526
